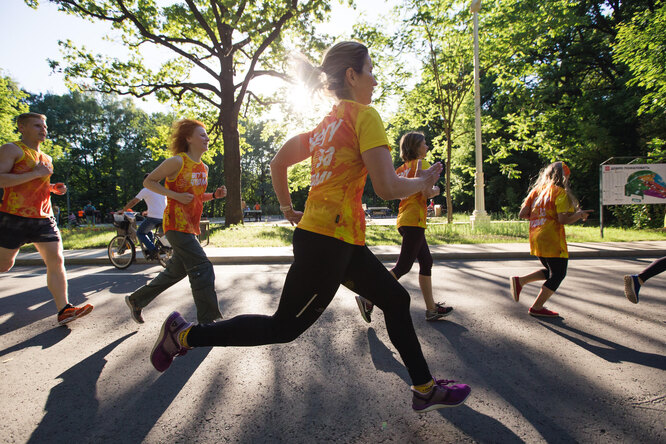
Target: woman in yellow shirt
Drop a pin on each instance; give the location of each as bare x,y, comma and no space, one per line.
329,241
411,226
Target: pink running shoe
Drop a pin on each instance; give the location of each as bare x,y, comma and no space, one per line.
167,345
543,313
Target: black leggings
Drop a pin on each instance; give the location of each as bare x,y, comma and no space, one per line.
555,271
321,264
656,267
414,246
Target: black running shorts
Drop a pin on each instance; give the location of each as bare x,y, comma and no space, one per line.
16,231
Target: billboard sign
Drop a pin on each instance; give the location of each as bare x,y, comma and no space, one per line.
633,184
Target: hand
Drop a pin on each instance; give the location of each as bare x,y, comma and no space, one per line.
430,176
435,192
220,192
59,188
41,170
293,216
184,198
584,214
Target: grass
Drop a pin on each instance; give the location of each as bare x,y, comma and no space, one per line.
438,232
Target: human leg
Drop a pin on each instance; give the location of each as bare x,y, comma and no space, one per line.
557,270
367,276
144,232
7,258
516,283
311,283
200,273
634,282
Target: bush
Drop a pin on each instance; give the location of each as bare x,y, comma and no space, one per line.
639,216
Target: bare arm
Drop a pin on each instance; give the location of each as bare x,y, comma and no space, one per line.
167,169
9,153
524,212
130,204
570,218
389,185
291,153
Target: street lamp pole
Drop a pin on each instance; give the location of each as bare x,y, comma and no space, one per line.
479,214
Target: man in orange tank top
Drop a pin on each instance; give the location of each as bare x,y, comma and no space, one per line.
25,211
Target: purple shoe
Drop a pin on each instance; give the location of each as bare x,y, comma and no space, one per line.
440,396
167,346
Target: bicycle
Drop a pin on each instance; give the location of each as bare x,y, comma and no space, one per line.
122,248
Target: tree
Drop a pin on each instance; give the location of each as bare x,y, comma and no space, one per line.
11,105
227,43
641,45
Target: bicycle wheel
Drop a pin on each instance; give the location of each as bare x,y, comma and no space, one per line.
121,252
163,253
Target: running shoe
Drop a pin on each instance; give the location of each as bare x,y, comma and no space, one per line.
70,312
365,306
631,287
135,312
515,287
167,345
543,313
441,395
439,312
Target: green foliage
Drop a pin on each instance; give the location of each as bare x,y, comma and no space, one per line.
639,216
11,105
641,45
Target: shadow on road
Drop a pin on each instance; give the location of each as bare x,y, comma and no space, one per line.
613,352
47,339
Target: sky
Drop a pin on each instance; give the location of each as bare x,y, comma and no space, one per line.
38,32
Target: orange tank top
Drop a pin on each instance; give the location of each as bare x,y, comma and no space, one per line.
192,178
33,198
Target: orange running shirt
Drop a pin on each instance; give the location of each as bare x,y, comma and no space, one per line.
413,210
337,170
192,178
33,198
547,238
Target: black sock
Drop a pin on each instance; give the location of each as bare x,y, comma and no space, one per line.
65,308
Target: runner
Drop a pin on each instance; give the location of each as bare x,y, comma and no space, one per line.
411,226
25,212
329,241
186,179
549,205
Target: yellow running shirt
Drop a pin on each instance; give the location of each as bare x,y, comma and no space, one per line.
547,238
338,174
412,211
192,178
33,198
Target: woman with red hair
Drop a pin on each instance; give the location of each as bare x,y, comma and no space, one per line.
185,179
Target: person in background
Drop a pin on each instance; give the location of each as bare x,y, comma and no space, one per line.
156,204
89,211
411,224
549,206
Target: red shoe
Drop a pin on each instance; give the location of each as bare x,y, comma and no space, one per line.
515,287
70,313
544,313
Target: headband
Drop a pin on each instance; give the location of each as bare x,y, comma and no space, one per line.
565,169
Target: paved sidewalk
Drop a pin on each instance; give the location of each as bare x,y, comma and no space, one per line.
273,255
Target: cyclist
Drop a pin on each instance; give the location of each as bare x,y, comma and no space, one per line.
156,204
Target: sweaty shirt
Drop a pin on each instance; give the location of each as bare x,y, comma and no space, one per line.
33,198
412,211
337,171
192,178
547,238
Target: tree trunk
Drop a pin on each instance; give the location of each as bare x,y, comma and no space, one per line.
232,177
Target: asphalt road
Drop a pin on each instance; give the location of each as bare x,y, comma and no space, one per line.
597,375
